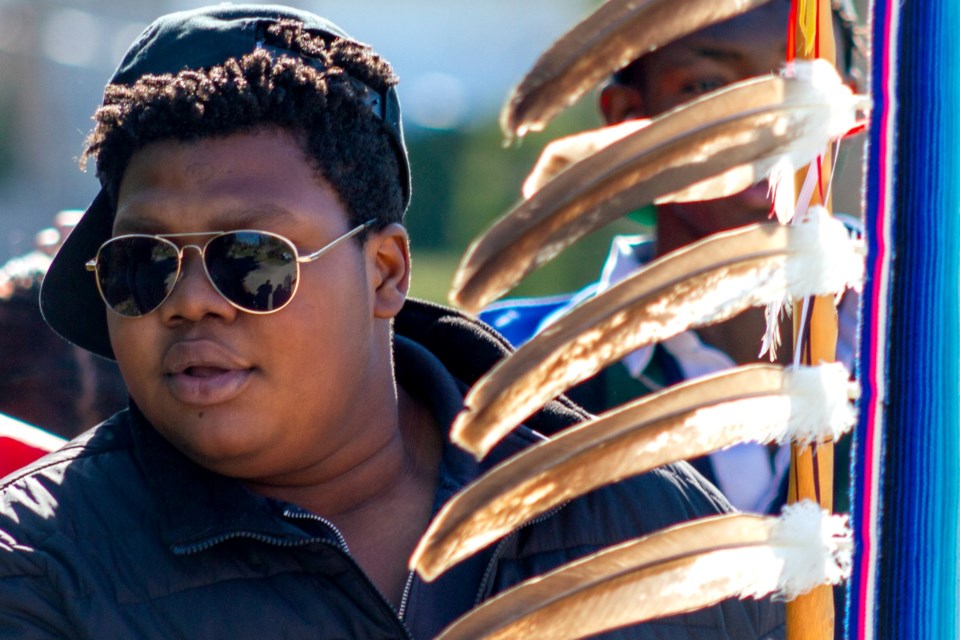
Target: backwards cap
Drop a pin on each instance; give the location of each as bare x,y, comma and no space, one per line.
195,39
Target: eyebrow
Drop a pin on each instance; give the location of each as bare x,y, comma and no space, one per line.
712,52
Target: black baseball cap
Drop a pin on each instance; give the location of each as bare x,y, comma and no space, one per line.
195,39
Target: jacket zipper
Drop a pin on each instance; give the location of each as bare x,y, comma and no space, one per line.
290,513
491,565
340,545
305,515
197,547
407,588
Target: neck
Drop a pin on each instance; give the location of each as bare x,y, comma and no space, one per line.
740,337
380,494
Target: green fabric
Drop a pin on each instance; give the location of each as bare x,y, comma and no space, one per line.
647,216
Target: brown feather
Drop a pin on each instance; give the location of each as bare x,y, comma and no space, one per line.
626,584
705,282
682,422
712,147
618,32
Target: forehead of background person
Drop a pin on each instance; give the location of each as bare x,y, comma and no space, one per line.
760,34
757,34
748,45
770,19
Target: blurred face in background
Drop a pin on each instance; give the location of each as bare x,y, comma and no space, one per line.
46,381
749,45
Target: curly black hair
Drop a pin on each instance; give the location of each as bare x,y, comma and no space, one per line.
316,98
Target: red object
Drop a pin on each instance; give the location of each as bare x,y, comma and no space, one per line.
21,444
792,32
816,38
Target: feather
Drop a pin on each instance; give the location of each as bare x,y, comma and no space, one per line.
757,403
708,281
562,152
614,35
712,147
778,308
677,570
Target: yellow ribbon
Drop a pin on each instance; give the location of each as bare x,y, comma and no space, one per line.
807,20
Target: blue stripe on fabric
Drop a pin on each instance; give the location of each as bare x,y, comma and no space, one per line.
917,588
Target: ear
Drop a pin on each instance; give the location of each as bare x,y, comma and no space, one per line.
387,254
620,102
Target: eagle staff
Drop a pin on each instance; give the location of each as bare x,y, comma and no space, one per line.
812,616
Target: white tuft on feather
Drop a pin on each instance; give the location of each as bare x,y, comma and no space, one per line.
829,85
774,312
829,260
820,403
820,84
814,546
832,261
783,189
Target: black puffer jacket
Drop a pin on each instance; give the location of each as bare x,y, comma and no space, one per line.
120,536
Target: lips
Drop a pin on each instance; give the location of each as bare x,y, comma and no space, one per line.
203,372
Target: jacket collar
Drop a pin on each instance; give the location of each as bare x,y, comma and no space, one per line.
198,505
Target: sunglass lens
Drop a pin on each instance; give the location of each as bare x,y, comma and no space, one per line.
136,274
256,271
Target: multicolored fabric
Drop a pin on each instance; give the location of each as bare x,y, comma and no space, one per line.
907,485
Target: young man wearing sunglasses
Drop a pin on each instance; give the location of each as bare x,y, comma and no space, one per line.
285,445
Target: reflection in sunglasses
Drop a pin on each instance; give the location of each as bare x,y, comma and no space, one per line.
255,271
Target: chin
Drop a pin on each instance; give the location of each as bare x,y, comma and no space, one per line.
219,443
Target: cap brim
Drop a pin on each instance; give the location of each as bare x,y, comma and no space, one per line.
69,299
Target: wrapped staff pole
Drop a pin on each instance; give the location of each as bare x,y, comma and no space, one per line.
812,616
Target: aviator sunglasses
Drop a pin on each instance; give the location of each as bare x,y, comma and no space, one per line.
255,271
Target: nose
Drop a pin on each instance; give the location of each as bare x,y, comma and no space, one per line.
194,297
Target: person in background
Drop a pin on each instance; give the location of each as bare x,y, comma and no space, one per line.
44,380
752,44
285,447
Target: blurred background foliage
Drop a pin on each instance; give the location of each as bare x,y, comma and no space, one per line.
463,180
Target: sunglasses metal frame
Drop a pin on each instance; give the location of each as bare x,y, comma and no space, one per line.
93,263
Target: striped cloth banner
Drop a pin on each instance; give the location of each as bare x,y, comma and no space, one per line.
907,445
